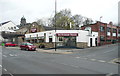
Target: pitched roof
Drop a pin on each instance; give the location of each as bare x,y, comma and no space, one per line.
47,28
4,23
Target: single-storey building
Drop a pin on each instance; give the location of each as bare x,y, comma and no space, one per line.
63,38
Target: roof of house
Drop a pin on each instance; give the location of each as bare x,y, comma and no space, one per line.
4,23
47,28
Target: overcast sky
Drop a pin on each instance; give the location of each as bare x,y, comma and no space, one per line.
35,9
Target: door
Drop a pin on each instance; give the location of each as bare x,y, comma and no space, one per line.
70,41
90,42
96,41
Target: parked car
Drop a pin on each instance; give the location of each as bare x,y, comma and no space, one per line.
27,46
10,44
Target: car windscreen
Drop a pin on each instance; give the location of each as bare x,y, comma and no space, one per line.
29,44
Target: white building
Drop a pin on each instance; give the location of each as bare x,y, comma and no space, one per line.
8,26
70,38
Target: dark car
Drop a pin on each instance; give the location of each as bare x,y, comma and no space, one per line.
27,46
10,44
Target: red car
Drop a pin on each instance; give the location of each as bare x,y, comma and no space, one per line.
10,44
27,46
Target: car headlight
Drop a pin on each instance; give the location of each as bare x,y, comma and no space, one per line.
29,46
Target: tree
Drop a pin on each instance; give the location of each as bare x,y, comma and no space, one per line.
40,22
78,20
63,19
87,21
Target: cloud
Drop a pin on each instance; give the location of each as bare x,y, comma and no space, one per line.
34,9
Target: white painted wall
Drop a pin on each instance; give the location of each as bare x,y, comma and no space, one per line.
94,36
82,35
8,26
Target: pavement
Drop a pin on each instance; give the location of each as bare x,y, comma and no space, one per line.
65,50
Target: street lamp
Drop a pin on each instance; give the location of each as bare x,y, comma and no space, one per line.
99,31
55,22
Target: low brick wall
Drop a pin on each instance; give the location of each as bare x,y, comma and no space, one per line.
52,45
82,45
47,45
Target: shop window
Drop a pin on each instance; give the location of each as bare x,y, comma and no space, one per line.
60,38
41,40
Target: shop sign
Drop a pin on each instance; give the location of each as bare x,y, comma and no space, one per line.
33,30
67,34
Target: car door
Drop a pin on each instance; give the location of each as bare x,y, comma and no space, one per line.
22,46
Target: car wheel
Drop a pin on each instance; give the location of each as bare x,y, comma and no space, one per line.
27,49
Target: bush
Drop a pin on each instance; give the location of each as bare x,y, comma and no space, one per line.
41,46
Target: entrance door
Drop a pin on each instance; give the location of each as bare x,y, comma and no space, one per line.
70,41
90,42
96,41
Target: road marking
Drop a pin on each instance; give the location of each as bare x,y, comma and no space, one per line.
11,55
0,65
10,74
84,58
4,55
101,61
77,57
108,51
5,69
93,59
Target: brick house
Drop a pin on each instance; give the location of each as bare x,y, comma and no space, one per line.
107,33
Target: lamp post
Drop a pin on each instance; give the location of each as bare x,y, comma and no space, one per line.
99,40
55,22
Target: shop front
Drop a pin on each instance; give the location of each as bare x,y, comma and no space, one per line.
66,39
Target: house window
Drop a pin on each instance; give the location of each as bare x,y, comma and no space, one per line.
102,28
11,28
102,38
114,30
108,29
14,27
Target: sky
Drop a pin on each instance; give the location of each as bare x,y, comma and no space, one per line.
33,10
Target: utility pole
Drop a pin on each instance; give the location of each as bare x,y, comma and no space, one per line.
55,22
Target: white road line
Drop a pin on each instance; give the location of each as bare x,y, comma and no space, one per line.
77,57
10,74
93,59
5,69
108,51
11,55
101,61
0,65
84,58
4,55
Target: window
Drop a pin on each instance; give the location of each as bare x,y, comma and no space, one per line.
102,28
11,28
119,31
108,29
102,38
60,38
50,38
14,27
114,30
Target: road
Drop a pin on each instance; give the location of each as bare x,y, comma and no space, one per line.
95,60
